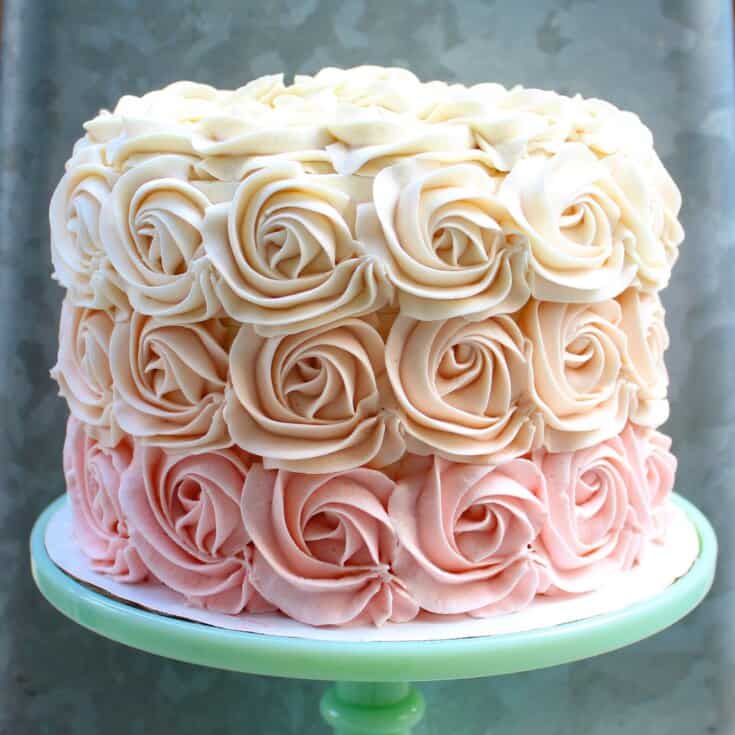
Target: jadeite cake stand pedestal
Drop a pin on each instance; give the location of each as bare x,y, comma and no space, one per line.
372,694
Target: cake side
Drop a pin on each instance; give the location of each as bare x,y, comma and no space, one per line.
360,346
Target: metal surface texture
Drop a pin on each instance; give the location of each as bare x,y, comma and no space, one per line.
668,60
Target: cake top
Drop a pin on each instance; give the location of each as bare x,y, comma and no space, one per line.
460,201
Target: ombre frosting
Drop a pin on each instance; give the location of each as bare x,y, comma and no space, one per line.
359,346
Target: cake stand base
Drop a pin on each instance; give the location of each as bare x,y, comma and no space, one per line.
371,695
359,708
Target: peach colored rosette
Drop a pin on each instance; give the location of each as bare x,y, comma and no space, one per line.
313,401
359,347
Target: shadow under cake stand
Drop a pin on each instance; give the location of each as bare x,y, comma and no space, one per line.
372,693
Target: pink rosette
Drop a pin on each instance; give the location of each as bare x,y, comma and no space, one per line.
465,534
183,514
654,467
93,474
83,370
596,514
323,546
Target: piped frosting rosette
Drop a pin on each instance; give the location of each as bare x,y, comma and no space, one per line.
360,348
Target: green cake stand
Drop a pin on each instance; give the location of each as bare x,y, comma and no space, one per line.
372,693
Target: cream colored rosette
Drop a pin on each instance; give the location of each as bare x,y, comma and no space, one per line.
370,138
375,115
439,230
286,251
589,224
151,225
666,206
81,264
196,119
579,382
512,125
313,402
463,388
170,381
390,88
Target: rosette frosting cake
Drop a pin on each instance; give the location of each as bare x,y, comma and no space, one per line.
361,348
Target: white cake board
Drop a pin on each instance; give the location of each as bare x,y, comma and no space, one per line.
661,565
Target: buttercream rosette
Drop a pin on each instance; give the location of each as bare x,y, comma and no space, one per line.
358,347
83,370
170,381
438,229
183,516
313,401
324,545
151,224
466,534
589,224
654,467
462,388
578,380
81,261
642,321
93,473
605,502
286,251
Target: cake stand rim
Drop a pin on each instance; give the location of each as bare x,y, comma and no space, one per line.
374,661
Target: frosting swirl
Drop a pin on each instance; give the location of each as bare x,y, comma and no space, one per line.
390,88
370,138
183,516
588,224
151,224
170,381
77,252
654,467
578,379
595,513
313,401
83,371
666,207
642,322
607,130
286,250
438,228
93,474
465,533
462,387
517,123
323,546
